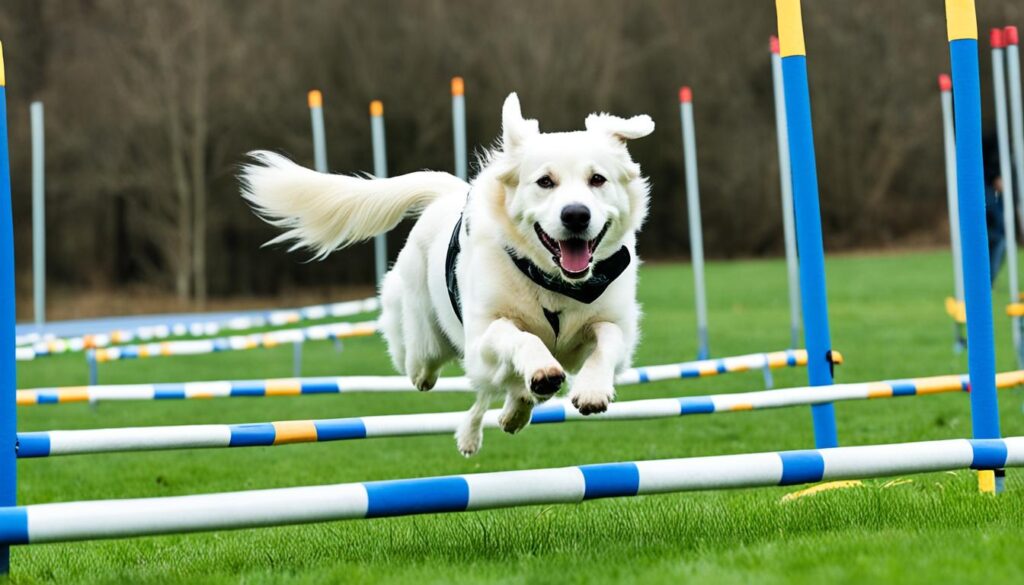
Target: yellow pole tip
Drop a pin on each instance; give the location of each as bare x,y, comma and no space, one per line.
458,86
376,108
961,20
3,78
316,99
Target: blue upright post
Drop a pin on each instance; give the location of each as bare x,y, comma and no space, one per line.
962,26
808,215
8,436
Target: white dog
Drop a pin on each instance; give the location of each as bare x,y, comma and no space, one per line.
526,274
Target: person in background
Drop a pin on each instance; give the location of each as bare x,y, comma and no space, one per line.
994,209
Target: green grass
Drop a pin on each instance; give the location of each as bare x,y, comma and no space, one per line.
887,318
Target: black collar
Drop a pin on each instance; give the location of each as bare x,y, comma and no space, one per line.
604,274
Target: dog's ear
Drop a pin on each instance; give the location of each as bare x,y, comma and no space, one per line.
620,128
515,129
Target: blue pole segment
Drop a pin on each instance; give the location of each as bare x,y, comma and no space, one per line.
813,295
8,382
974,238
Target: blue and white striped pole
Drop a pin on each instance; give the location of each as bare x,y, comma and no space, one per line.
786,190
962,28
8,409
70,521
1006,174
380,170
265,434
693,212
459,127
949,150
808,214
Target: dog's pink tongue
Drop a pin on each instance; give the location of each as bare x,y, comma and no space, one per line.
575,255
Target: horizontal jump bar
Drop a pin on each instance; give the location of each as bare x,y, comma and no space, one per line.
343,384
53,443
88,520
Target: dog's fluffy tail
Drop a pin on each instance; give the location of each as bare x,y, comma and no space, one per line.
325,212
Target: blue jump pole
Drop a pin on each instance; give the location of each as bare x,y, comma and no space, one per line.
962,27
8,383
808,215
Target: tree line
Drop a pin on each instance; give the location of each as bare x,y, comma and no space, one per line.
150,107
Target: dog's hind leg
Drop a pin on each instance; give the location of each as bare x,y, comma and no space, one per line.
426,347
392,317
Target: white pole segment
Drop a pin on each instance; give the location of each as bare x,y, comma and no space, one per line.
59,522
786,184
1006,174
380,170
693,211
38,214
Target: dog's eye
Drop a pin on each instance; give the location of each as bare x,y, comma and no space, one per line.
597,180
545,182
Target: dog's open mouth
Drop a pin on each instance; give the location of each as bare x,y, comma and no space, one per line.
574,255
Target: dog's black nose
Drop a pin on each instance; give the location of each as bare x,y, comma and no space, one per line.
576,217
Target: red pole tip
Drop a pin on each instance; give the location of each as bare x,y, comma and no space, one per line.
773,44
945,83
995,38
685,95
1010,35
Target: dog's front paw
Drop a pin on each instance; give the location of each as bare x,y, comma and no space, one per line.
545,382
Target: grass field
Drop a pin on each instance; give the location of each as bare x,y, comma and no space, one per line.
887,318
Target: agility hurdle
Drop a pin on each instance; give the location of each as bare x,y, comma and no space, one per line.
53,443
347,384
38,347
70,521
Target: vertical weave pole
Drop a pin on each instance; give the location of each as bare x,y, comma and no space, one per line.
316,115
459,127
949,143
808,214
693,212
962,28
38,215
1012,41
786,189
8,436
380,170
1006,173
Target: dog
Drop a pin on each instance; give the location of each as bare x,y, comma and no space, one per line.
526,274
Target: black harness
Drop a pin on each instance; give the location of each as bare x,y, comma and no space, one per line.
604,274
